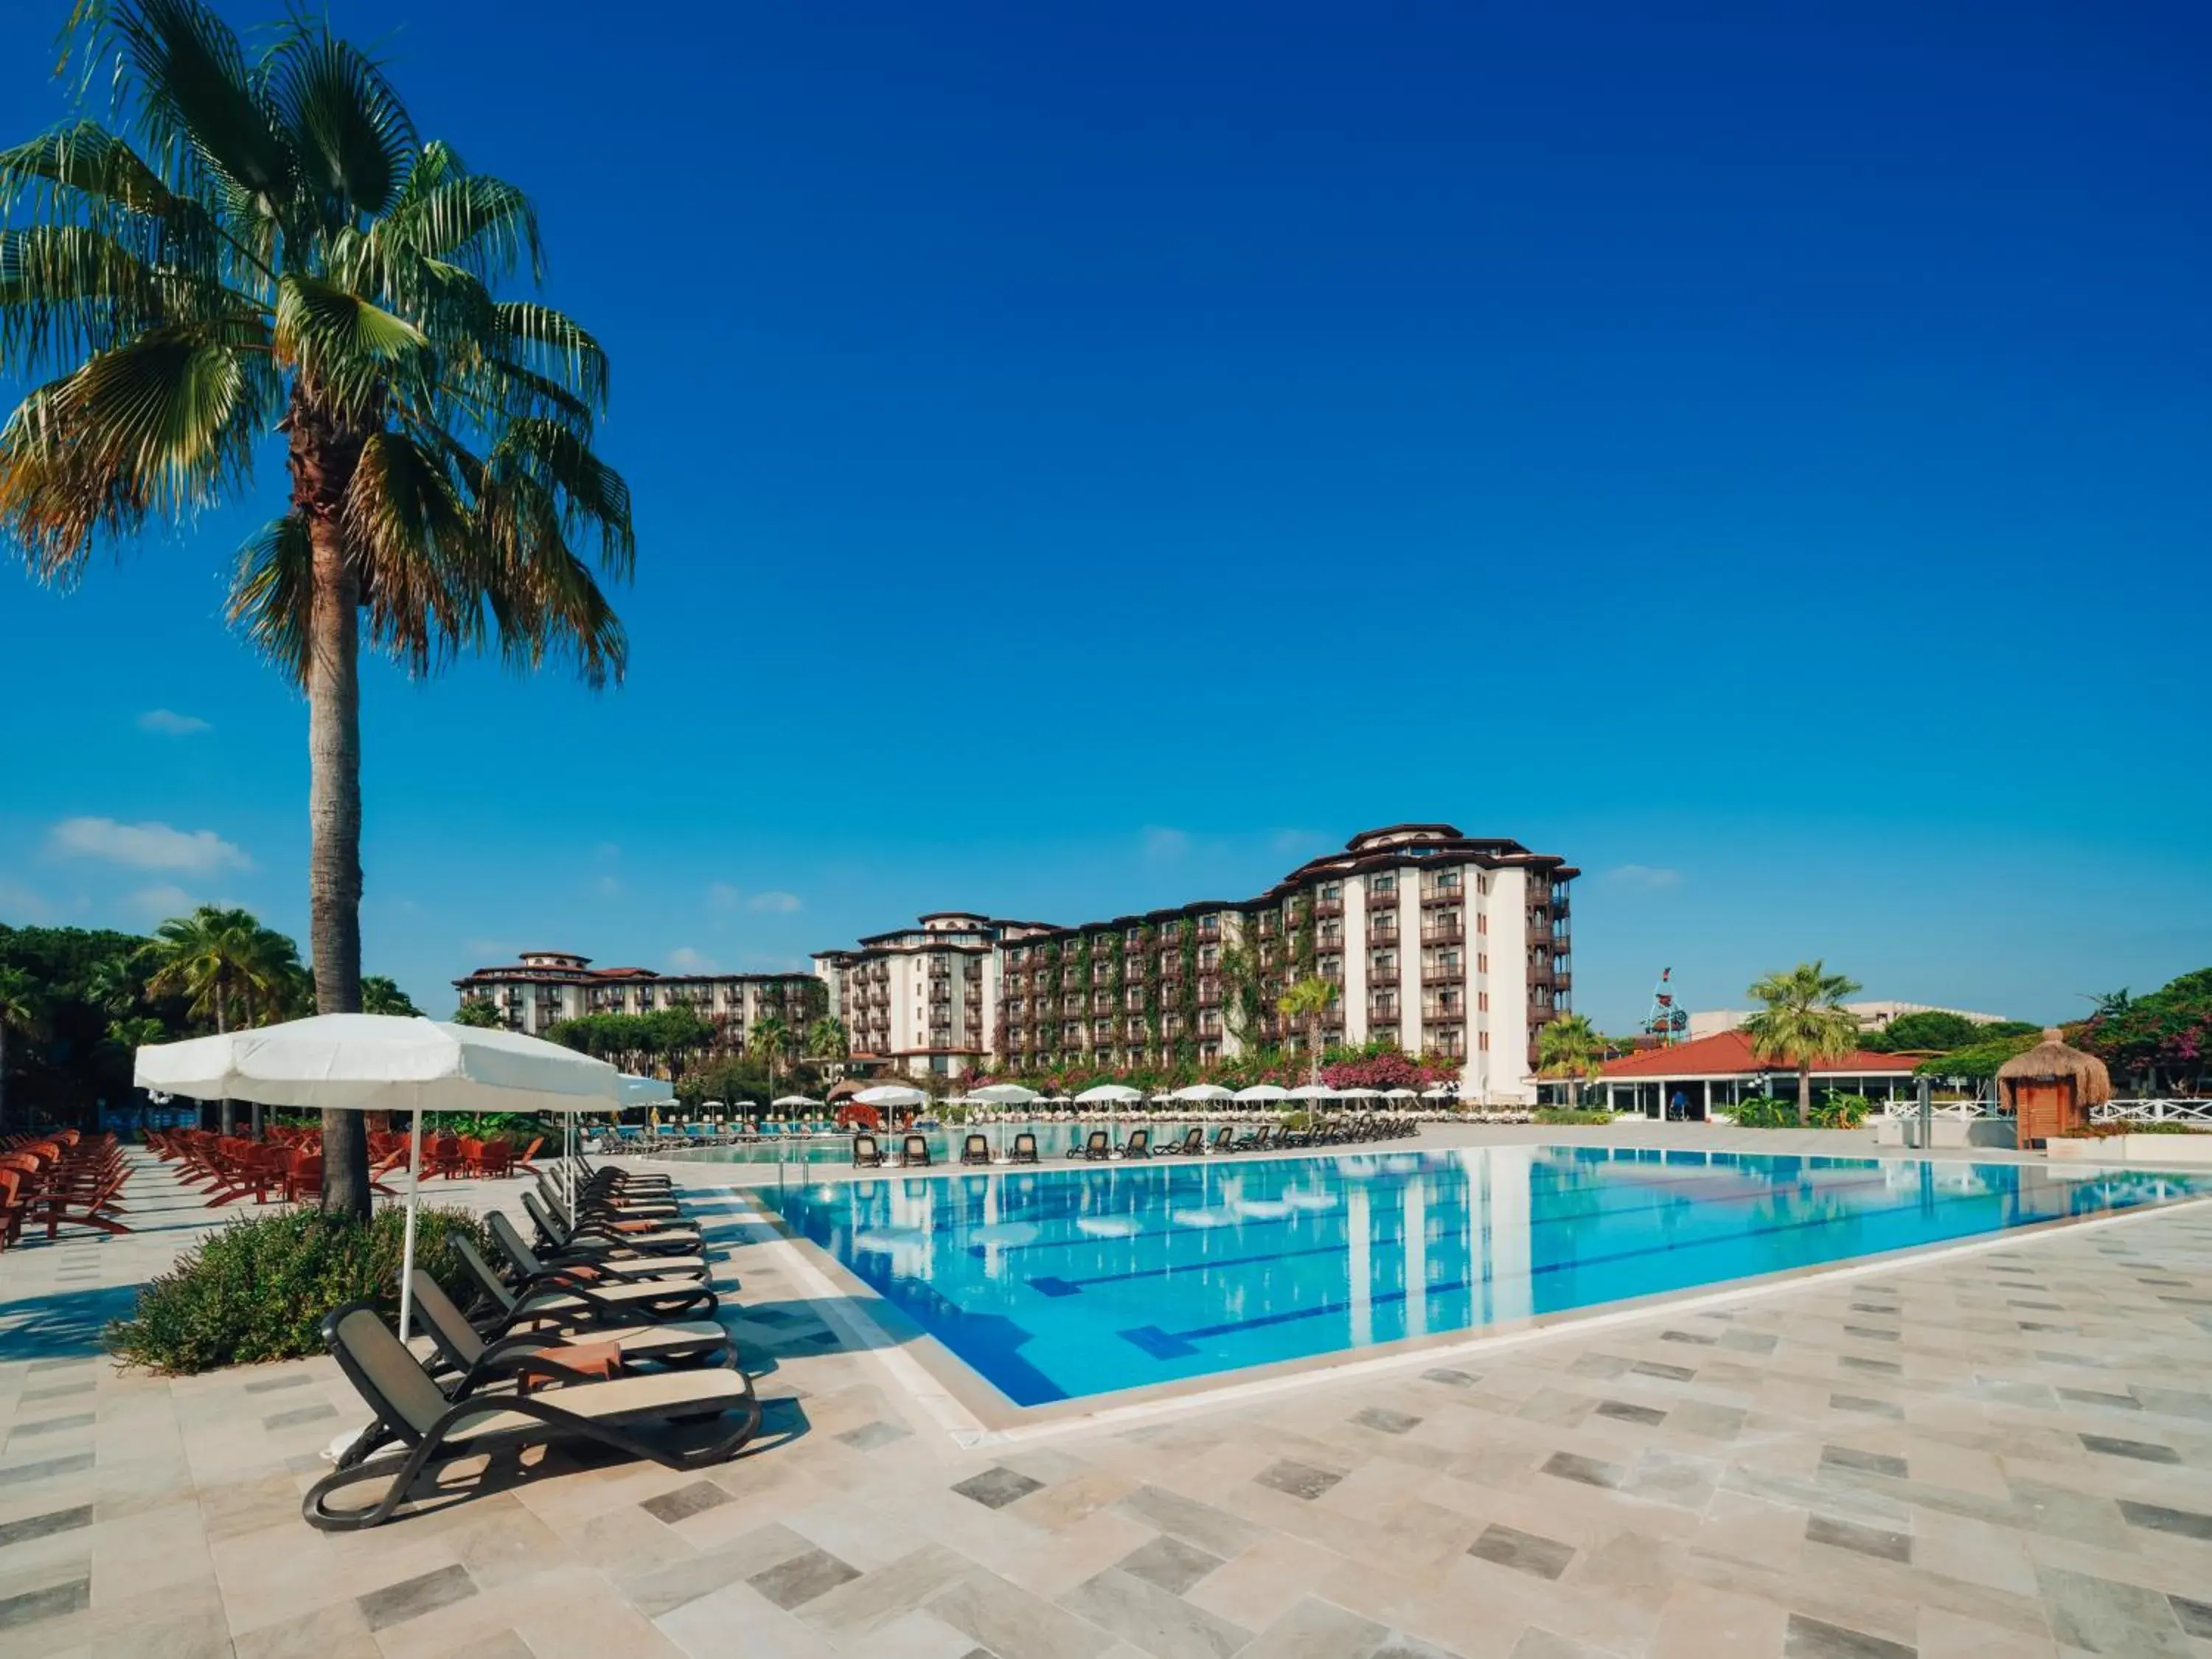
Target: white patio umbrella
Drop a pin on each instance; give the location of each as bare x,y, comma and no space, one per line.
1312,1091
1400,1094
1110,1094
385,1063
1442,1091
1264,1094
1006,1094
1203,1091
645,1092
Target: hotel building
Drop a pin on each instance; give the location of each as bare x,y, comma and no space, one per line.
548,986
1445,943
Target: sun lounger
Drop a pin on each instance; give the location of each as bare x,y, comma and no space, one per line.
867,1152
1097,1147
481,1357
564,1300
1025,1148
593,1240
531,1265
975,1149
914,1152
425,1430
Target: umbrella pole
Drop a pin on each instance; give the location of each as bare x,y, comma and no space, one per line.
407,1247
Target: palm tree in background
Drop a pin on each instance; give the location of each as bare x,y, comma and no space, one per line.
1800,1022
23,1012
481,1013
215,959
1307,1001
266,248
380,995
1570,1047
770,1037
826,1039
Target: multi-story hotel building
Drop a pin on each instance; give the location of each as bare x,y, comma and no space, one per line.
547,986
1445,943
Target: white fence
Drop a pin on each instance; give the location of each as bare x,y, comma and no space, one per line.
2198,1112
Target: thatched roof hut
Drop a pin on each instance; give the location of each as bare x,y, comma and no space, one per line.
2052,1061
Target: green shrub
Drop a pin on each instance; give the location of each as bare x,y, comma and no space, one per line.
1570,1117
258,1289
1764,1112
1841,1112
2164,1126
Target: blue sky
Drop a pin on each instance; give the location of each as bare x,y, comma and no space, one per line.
1088,458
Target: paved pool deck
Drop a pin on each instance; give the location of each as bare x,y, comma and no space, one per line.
2003,1451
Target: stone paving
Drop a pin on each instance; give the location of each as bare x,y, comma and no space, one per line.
1998,1453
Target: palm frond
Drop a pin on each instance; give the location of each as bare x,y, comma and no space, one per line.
589,496
346,348
553,344
418,551
197,97
351,138
164,423
483,225
543,600
271,592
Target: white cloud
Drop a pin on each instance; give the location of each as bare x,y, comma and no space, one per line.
1164,845
146,845
720,895
1644,878
779,904
162,902
607,887
171,724
685,960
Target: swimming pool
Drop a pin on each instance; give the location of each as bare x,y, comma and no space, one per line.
1060,1284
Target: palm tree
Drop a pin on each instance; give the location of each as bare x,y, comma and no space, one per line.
212,956
481,1013
267,247
1308,1001
22,1011
1800,1022
380,995
826,1039
770,1036
111,986
1570,1047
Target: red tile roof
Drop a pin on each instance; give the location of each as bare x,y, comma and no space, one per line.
1728,1054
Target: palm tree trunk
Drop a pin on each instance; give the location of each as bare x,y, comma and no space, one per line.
1804,1096
334,830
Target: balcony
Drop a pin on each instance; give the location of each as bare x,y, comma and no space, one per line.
1383,898
1443,893
1382,976
1383,936
1435,975
1208,929
1328,906
1451,933
1209,994
1443,1014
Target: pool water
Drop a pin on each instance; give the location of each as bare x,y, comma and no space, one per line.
1060,1284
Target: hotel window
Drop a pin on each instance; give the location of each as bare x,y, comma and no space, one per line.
1483,1001
1483,1038
1385,884
1209,955
1385,961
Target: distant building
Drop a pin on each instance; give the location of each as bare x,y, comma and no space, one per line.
1442,943
1712,1074
549,986
1872,1016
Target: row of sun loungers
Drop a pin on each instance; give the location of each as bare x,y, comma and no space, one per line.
58,1180
598,1326
869,1152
